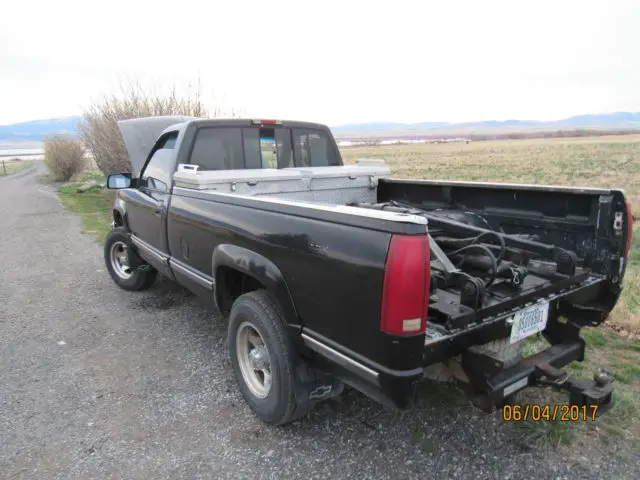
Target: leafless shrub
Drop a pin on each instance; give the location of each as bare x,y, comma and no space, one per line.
64,156
99,130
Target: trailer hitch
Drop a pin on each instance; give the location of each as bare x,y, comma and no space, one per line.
598,391
493,384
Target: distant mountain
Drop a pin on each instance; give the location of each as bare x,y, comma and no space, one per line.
607,121
39,129
611,119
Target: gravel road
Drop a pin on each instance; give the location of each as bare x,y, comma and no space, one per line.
96,382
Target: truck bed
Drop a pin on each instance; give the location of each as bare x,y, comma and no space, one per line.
554,236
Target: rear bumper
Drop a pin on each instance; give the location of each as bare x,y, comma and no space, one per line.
491,384
390,387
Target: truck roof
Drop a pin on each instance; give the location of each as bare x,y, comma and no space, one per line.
250,122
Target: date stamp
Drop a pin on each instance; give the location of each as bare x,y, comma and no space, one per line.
550,413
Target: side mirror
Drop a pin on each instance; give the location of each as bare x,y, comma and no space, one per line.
119,180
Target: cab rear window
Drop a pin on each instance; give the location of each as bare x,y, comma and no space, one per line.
229,148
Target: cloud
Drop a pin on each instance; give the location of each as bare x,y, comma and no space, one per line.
333,62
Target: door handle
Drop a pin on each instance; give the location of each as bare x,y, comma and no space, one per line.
159,209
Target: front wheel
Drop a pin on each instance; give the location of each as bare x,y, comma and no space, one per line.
117,256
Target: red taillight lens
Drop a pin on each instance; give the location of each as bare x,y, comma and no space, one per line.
405,294
266,122
630,234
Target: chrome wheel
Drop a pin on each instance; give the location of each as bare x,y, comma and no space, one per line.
119,256
253,359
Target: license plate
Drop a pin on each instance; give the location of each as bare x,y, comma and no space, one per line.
528,321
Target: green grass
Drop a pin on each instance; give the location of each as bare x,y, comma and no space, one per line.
13,166
427,444
605,348
93,206
594,338
448,394
631,292
547,433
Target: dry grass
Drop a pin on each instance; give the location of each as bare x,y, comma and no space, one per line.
63,156
99,129
610,161
593,161
14,165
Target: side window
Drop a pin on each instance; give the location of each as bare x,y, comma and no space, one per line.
218,148
156,174
313,148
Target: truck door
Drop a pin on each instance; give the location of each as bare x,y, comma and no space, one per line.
147,206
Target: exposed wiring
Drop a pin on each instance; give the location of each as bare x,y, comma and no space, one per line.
500,238
487,252
495,261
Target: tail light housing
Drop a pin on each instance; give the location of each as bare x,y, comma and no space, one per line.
630,233
405,293
266,122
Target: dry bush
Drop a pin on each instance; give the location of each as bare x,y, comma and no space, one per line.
99,130
64,156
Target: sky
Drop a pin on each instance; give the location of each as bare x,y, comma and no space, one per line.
333,62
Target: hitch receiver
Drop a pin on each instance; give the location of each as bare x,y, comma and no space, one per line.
494,385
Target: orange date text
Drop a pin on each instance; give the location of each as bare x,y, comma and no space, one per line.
550,413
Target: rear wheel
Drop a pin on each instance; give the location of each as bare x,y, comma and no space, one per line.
263,358
118,254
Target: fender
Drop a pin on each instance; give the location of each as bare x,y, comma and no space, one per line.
120,207
261,269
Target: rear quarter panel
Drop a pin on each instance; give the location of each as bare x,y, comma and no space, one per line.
333,271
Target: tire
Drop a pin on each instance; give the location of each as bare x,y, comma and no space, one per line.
117,250
270,391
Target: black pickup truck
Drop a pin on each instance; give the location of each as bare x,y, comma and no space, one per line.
332,274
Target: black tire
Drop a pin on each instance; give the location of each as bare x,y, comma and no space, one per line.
262,312
139,278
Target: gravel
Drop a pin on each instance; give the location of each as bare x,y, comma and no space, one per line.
96,382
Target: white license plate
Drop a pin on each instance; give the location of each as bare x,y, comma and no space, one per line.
528,321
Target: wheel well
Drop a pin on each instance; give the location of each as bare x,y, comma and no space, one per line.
230,284
117,219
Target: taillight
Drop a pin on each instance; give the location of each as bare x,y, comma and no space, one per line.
266,122
630,234
405,294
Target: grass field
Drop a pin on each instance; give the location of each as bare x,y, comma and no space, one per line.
591,161
13,166
598,161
